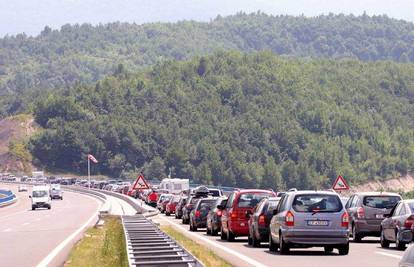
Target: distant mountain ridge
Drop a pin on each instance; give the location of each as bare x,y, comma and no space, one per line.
85,53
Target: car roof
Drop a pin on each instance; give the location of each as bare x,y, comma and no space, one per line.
377,194
274,198
302,192
254,191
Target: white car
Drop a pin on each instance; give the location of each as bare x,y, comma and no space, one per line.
22,188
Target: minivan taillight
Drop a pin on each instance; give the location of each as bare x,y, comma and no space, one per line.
289,219
197,213
360,213
262,220
345,220
409,222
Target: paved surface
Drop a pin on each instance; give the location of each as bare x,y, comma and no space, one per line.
366,254
119,207
28,238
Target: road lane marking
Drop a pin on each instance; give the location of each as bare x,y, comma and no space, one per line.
48,259
389,255
217,245
26,223
7,230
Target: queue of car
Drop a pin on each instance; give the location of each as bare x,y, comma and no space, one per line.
295,219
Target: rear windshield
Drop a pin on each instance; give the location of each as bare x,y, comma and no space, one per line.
272,205
317,203
214,193
206,203
250,200
381,202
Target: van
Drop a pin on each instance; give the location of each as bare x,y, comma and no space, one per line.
40,197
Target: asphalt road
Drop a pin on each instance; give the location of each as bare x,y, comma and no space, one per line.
366,254
43,237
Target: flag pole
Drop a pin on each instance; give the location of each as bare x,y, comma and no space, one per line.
89,173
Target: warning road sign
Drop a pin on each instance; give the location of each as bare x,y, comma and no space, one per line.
340,184
140,183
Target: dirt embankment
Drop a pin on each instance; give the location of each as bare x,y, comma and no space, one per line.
15,129
400,184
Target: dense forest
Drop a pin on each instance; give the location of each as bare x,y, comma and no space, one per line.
86,54
237,119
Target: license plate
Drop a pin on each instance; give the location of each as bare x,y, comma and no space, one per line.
379,216
318,223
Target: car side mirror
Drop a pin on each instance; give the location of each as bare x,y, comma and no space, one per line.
248,214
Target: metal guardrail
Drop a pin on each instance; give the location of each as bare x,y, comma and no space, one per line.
147,245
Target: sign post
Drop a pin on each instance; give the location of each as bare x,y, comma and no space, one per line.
340,184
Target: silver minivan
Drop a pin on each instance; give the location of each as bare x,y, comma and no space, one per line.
309,219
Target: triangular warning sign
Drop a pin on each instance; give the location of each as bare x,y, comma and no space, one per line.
140,183
340,184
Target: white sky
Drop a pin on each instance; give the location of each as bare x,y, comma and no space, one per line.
30,16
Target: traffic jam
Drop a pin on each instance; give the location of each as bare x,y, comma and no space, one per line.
295,219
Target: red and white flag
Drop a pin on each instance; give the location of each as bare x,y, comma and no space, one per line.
92,158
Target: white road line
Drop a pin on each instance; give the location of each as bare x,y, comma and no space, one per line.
7,230
26,223
217,245
65,242
389,255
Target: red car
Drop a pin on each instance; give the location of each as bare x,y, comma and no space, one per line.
234,219
170,208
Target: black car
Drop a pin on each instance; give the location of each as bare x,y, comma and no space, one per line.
259,221
199,192
198,216
180,206
214,217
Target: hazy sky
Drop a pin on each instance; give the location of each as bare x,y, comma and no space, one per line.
30,16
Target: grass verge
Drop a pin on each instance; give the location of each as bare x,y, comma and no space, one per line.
102,246
205,255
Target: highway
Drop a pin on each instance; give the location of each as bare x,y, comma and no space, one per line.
43,237
366,254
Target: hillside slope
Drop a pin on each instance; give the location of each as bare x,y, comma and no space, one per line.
14,133
238,119
83,53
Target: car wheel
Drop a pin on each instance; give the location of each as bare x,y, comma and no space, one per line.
230,236
344,249
214,232
355,235
255,241
195,228
384,242
284,248
208,231
328,249
167,214
249,240
272,245
222,235
33,208
49,207
399,244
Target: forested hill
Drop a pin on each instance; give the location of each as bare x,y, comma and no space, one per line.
238,119
83,53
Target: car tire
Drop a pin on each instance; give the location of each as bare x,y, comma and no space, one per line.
214,232
49,207
249,240
230,236
33,208
255,241
283,247
272,245
167,214
384,242
222,235
208,231
400,245
344,249
328,249
356,237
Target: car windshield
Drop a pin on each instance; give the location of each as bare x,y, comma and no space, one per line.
250,200
272,205
317,203
39,193
381,202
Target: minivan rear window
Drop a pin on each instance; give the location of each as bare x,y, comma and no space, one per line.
317,203
214,192
250,200
381,202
